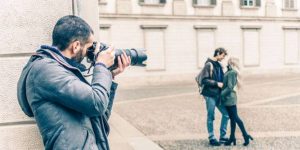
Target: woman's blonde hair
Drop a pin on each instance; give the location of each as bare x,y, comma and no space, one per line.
234,63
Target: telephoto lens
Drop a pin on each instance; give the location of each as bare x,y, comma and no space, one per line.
138,56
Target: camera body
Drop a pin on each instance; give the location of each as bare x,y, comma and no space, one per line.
137,56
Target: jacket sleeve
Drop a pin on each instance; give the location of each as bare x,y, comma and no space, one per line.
57,84
206,79
111,99
230,82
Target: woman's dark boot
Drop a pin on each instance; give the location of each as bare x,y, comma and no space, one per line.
231,140
247,139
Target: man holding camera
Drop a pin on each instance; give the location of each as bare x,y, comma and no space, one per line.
70,112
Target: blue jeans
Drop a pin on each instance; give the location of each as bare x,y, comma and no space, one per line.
211,103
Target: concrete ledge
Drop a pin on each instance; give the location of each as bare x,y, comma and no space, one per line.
203,6
128,133
143,143
104,26
251,27
289,9
189,17
212,27
154,26
152,5
16,55
30,121
291,27
249,7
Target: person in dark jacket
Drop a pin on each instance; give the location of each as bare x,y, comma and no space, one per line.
212,81
229,100
70,112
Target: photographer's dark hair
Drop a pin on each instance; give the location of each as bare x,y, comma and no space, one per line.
69,29
220,51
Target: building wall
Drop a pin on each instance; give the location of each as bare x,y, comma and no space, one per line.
25,25
261,37
178,36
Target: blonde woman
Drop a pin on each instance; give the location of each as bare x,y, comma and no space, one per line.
229,100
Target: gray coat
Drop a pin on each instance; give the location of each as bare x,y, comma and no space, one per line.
70,112
228,94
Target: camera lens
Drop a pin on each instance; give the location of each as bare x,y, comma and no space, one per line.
137,56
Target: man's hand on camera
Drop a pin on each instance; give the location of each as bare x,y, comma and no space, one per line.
106,57
123,62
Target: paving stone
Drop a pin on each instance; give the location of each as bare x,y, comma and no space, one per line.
295,100
174,114
290,143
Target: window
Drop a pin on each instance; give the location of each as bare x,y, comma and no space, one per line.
251,45
102,2
204,2
154,42
250,3
289,4
291,45
206,41
153,1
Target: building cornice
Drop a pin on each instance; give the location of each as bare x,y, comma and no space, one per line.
151,5
202,27
104,26
257,27
154,26
291,27
195,17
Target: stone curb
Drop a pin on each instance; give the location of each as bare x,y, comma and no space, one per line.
126,137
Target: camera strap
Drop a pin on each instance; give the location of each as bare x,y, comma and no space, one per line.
93,63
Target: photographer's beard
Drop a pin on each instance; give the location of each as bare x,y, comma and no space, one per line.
79,56
77,59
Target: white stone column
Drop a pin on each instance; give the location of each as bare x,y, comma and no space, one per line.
179,7
227,8
25,25
271,8
124,6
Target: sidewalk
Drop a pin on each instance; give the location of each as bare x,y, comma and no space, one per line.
124,136
173,116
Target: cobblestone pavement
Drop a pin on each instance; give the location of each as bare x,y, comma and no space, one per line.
174,115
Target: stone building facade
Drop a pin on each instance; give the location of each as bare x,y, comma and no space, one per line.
179,35
25,25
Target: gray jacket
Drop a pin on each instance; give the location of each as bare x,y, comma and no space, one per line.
70,112
228,94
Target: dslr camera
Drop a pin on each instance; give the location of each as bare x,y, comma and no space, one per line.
137,56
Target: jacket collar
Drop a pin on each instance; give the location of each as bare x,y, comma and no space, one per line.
216,63
54,53
59,57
